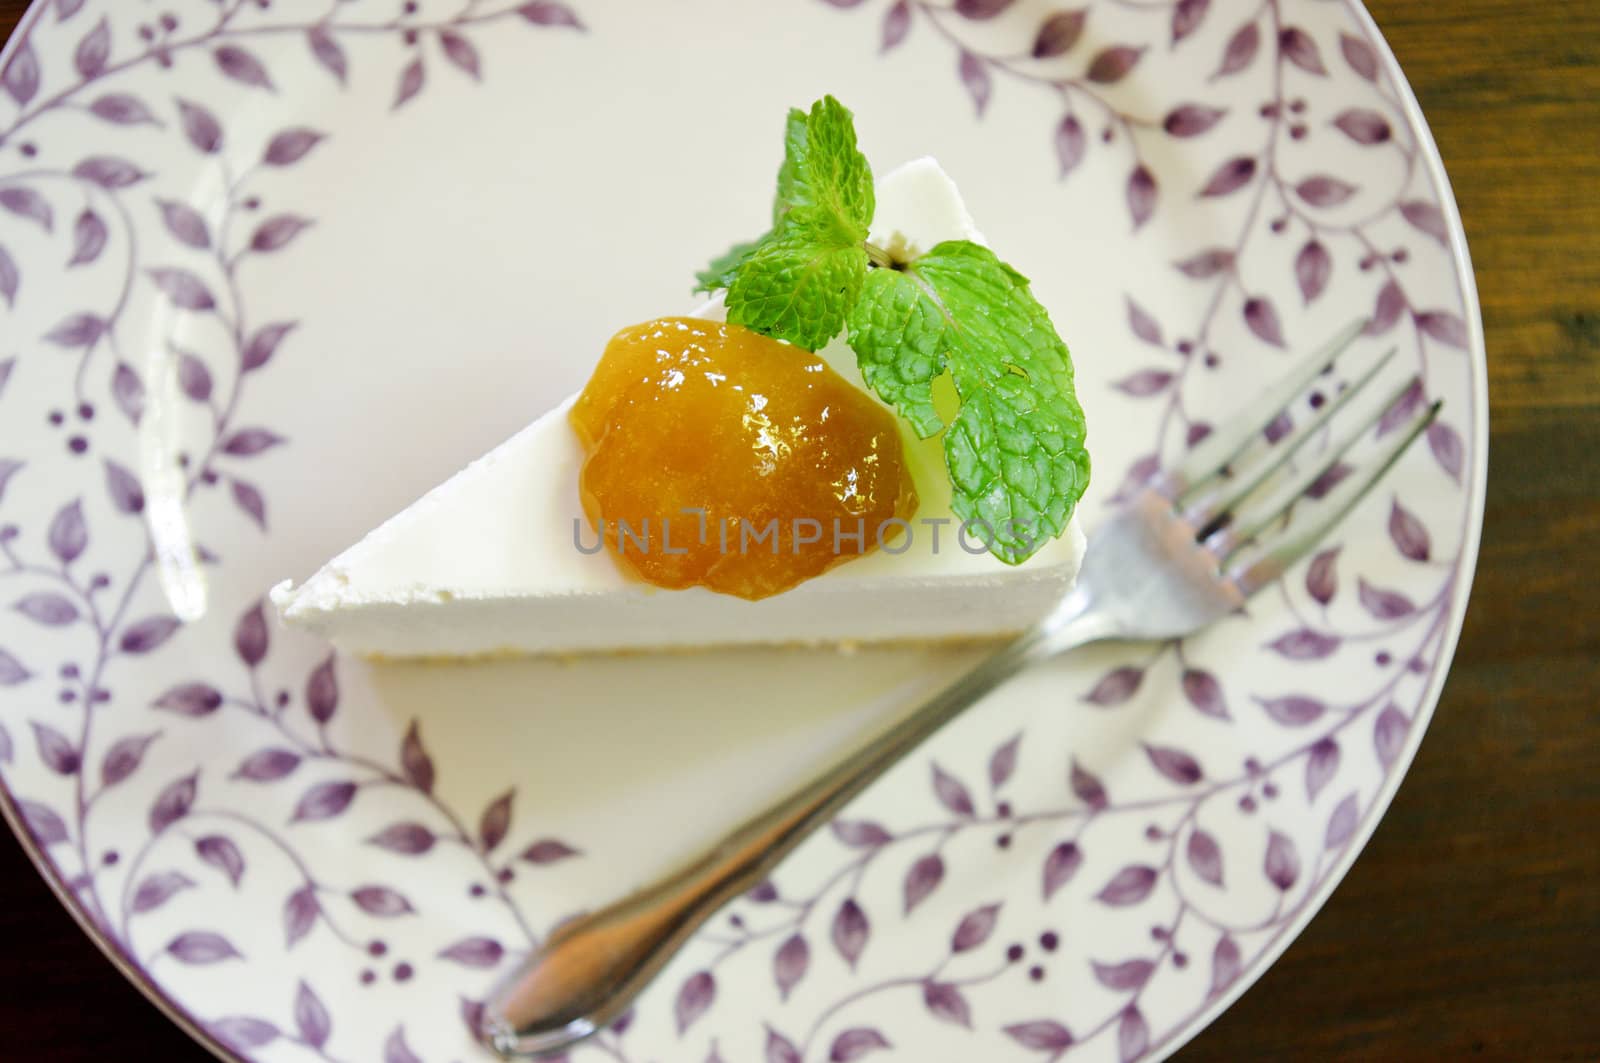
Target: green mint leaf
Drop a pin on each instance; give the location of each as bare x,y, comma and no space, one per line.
798,282
794,149
720,273
1015,451
797,289
826,182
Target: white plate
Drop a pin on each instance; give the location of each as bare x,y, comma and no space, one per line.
271,271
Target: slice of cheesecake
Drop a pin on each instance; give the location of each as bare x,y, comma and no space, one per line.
499,559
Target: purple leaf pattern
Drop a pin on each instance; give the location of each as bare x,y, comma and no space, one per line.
1124,976
1240,50
1426,217
1129,886
922,879
1043,1035
1141,195
1191,119
975,76
89,236
325,49
850,931
46,608
190,699
1133,1034
1321,766
694,997
202,948
276,233
324,801
407,838
1324,190
1230,176
1363,126
147,635
154,891
1444,326
548,851
1071,144
300,914
109,172
27,203
1143,325
200,126
1087,787
1445,443
1293,710
952,793
1389,734
311,1017
1060,866
475,952
1204,856
267,765
1175,764
975,928
1282,862
1187,15
55,750
1003,761
946,1002
220,852
1116,686
242,66
1359,54
1113,64
896,24
411,81
173,802
1312,268
1322,576
855,1043
291,145
1204,692
789,964
462,53
124,757
1342,823
1298,47
242,1033
381,901
119,108
1304,644
495,821
396,1050
1058,33
1262,317
1407,532
1383,604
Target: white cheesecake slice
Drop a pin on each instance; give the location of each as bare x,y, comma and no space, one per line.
493,561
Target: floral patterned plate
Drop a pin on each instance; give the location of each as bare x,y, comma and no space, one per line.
270,268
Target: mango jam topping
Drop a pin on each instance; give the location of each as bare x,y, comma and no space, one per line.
718,457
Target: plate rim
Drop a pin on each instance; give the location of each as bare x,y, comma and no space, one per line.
1427,706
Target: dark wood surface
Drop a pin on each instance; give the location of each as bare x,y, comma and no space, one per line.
1470,927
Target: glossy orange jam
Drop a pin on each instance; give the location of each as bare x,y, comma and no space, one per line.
685,414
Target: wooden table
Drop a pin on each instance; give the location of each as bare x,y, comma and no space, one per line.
1470,927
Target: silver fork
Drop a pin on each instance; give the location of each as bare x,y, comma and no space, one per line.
1188,549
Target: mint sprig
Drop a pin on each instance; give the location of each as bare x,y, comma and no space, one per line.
1015,449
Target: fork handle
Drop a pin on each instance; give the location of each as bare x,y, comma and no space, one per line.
587,972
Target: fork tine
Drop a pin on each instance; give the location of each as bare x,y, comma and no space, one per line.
1278,558
1225,444
1213,504
1245,526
